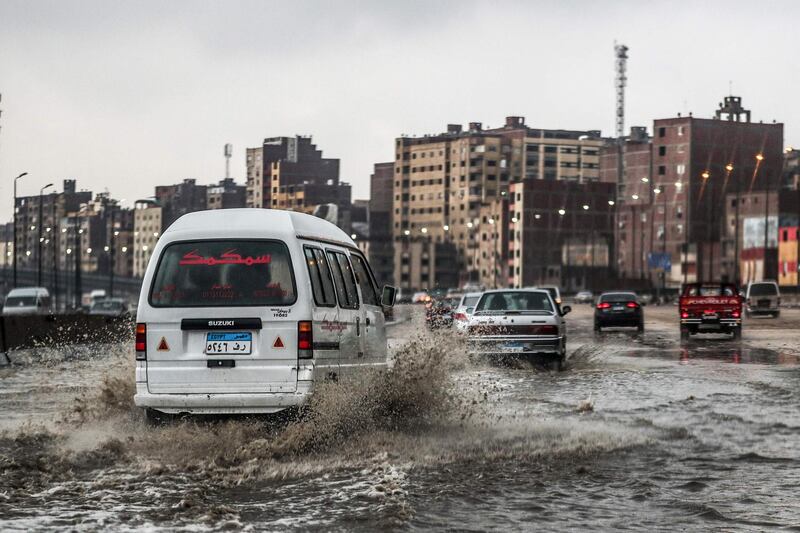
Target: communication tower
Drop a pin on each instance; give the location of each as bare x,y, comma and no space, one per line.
621,80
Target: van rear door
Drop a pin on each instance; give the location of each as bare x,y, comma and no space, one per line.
220,319
326,326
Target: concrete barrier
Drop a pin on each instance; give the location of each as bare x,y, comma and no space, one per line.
30,331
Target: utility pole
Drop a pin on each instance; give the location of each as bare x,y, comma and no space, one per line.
78,288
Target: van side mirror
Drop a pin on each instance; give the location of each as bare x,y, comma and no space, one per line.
566,309
388,295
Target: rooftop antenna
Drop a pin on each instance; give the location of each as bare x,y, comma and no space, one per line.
228,154
621,80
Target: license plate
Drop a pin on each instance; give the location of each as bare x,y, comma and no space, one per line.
229,343
710,316
514,347
618,308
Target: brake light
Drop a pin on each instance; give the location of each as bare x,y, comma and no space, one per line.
632,305
460,316
735,313
684,313
603,305
305,340
544,330
141,341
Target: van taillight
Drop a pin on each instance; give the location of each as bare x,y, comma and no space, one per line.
305,340
141,342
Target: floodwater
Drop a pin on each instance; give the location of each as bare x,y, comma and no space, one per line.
637,434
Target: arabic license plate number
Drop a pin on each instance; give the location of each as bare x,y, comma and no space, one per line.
229,343
618,308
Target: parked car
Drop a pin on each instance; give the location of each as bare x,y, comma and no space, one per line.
584,297
519,323
763,298
247,310
710,308
464,310
111,307
27,301
618,310
439,313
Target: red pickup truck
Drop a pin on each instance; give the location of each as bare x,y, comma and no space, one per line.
710,308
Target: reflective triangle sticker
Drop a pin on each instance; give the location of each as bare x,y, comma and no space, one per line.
278,343
163,346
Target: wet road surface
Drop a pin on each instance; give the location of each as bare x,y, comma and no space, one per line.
636,434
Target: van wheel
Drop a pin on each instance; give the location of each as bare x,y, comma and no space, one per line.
736,334
640,328
156,418
776,314
557,364
684,335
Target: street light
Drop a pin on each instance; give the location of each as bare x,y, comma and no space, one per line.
15,226
39,250
585,207
562,212
706,174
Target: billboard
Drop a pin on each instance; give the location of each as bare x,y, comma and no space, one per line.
753,233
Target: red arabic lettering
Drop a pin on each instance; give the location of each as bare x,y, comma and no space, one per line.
229,257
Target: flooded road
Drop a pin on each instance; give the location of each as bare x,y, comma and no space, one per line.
637,433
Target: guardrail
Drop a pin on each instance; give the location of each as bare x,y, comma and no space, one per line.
30,331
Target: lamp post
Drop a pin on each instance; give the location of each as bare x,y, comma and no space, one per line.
39,249
14,248
729,168
760,158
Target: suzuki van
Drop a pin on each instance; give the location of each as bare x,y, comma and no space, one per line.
244,310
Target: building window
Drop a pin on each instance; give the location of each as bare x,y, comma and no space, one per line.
662,170
662,150
662,131
680,130
680,169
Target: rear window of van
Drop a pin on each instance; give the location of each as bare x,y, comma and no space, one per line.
224,273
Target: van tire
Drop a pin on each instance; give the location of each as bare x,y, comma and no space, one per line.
736,334
684,335
776,314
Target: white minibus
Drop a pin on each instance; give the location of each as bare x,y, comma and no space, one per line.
244,310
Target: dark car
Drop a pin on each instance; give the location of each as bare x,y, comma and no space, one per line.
618,310
439,313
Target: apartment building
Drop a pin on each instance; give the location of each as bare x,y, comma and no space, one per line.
283,162
679,210
225,195
147,225
442,181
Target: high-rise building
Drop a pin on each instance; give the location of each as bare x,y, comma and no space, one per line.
676,216
287,170
442,181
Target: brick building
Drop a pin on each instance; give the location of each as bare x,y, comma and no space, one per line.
678,207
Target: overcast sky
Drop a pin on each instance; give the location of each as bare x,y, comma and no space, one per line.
126,95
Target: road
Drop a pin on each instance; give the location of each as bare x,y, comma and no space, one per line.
637,433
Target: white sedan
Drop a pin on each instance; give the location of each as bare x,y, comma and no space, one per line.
519,323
